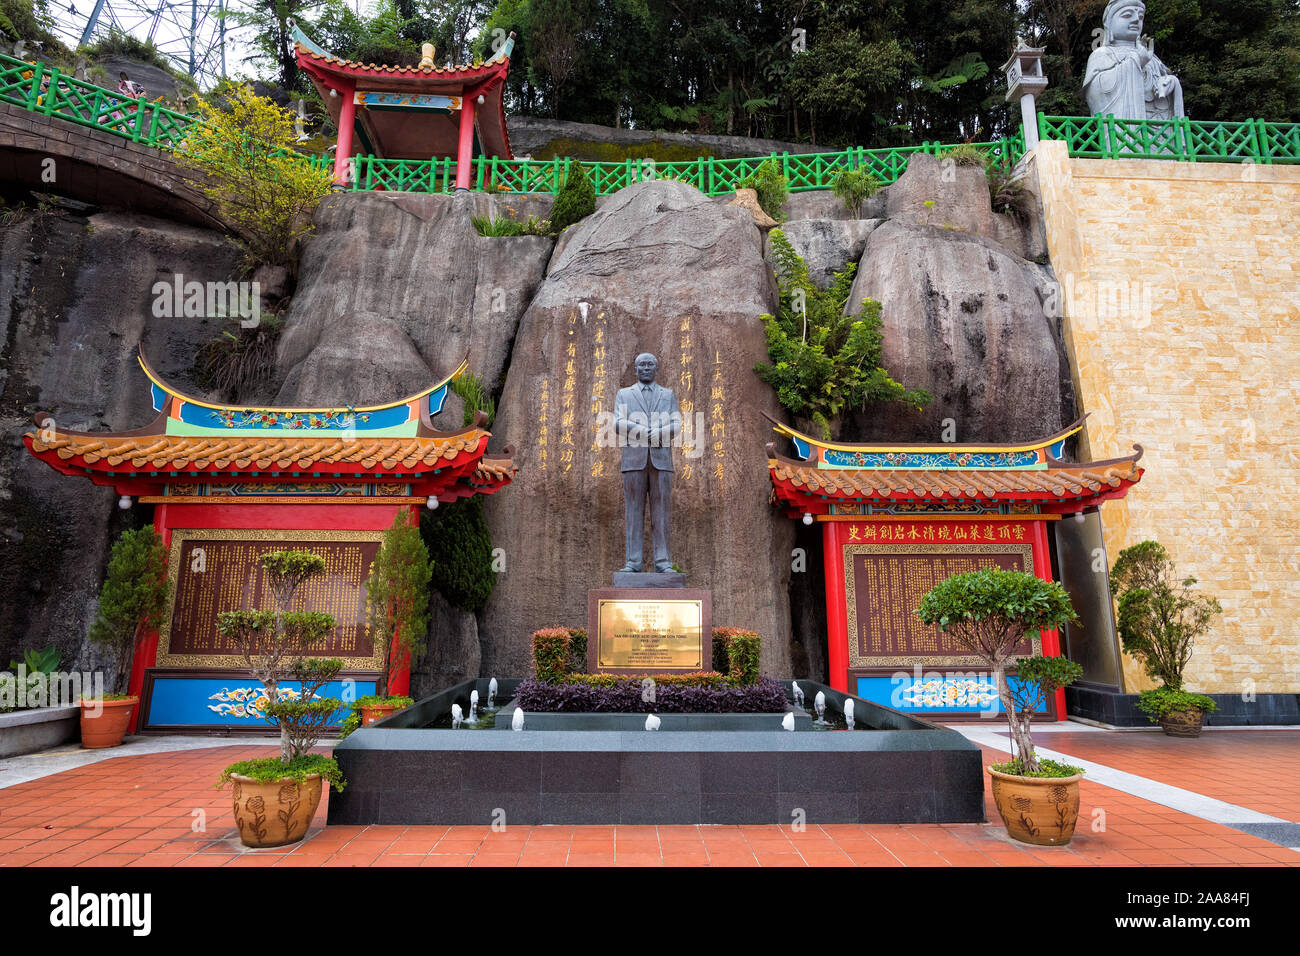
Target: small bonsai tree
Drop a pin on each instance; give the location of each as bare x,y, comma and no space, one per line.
576,199
397,596
273,641
769,183
1159,615
245,157
853,187
132,600
822,359
989,613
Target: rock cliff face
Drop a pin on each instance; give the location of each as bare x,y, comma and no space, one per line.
659,268
394,289
75,301
963,315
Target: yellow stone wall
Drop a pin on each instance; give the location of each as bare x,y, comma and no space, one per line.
1181,293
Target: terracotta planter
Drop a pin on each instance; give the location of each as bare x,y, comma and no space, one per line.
274,814
108,727
372,712
1037,810
1183,723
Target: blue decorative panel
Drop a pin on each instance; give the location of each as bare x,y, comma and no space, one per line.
229,701
965,693
437,398
158,396
928,461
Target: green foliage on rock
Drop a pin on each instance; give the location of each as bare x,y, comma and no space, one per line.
576,199
769,183
397,596
244,156
132,599
1160,617
824,361
743,650
853,187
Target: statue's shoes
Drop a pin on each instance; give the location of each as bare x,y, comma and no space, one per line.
664,570
628,569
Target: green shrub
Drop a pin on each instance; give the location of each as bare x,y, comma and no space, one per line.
460,546
988,614
503,226
743,649
823,360
397,596
551,654
475,398
769,182
1160,617
353,720
967,154
853,187
271,769
1156,703
1046,768
577,650
576,199
132,600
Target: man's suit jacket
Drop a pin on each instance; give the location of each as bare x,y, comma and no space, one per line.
646,429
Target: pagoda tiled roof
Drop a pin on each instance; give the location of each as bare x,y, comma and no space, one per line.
1059,483
190,452
465,71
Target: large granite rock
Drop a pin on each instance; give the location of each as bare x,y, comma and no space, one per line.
824,204
451,649
75,302
964,319
939,192
416,263
658,268
827,245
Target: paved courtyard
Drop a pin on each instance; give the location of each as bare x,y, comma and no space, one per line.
1226,799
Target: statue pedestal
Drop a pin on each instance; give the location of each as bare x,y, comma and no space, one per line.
649,579
654,628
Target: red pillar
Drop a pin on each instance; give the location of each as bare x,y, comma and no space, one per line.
1043,571
837,621
343,145
465,149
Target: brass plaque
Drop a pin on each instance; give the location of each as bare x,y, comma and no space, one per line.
650,635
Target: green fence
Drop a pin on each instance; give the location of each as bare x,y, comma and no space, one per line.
1105,137
45,89
714,177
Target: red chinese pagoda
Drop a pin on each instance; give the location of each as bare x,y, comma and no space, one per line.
412,112
229,483
897,519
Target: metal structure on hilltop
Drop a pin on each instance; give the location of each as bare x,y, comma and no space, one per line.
189,33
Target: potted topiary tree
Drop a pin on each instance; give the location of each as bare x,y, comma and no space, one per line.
131,602
397,602
989,613
275,798
1159,620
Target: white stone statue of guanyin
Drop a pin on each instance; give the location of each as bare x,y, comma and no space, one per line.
1125,78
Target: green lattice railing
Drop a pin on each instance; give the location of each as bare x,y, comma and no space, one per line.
45,89
1105,137
714,177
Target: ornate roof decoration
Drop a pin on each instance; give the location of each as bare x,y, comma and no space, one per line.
194,440
1025,477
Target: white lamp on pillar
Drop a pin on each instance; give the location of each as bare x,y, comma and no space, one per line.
1025,80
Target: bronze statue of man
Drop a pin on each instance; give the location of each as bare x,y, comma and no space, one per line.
646,420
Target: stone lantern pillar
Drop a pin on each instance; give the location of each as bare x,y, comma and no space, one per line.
1025,80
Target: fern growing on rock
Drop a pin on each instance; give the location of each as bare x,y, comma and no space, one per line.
576,199
823,360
